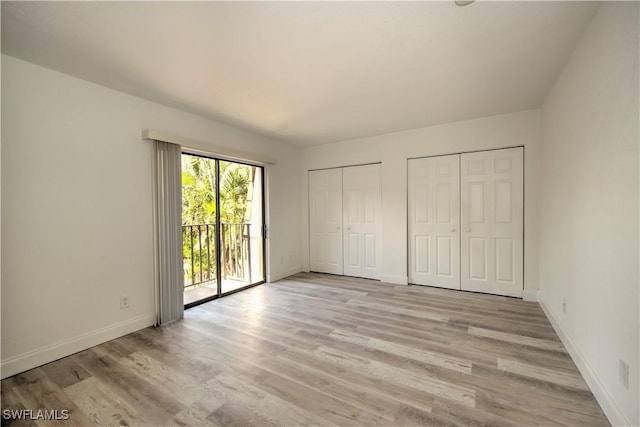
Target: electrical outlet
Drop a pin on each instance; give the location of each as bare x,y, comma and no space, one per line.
564,305
124,302
624,374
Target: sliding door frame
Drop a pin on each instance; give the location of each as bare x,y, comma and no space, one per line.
218,229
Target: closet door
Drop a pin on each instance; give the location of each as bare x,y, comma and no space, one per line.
492,221
434,217
325,221
361,218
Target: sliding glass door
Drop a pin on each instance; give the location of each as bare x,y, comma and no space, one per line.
222,231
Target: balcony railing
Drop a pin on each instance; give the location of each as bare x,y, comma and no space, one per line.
199,253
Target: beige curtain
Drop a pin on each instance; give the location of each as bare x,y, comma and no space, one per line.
168,232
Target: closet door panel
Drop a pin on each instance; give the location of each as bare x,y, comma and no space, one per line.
434,216
325,221
361,204
492,221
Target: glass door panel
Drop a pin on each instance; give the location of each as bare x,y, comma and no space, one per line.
222,232
199,233
241,223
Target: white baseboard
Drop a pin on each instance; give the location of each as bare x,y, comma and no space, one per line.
530,295
279,276
396,280
49,353
615,416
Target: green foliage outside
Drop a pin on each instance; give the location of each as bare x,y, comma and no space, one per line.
199,210
198,191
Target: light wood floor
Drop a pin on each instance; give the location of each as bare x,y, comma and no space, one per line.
323,350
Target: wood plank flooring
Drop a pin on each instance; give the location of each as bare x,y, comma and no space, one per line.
320,350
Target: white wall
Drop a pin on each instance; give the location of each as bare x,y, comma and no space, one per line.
77,212
589,206
394,149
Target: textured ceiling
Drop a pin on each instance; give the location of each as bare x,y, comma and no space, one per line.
309,72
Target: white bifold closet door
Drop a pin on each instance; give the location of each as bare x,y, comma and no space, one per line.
325,221
434,218
344,221
466,221
361,219
492,222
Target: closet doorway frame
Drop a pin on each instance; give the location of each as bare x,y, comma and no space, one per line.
460,153
309,222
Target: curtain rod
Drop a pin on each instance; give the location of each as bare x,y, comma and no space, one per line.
207,148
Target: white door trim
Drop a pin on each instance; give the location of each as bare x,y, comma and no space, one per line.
521,292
